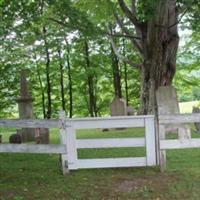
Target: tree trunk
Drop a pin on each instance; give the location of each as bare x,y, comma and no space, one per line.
115,66
69,73
62,89
158,46
89,81
116,74
161,44
48,114
126,84
125,76
95,97
42,91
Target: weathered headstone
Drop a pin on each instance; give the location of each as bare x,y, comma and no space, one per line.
167,100
15,138
168,104
43,136
197,125
118,107
130,111
25,106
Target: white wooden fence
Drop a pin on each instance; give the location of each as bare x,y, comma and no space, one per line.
175,121
73,144
31,148
69,143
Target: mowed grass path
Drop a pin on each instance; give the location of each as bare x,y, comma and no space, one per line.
32,176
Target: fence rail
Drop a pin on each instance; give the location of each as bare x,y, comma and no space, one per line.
165,144
27,123
108,122
32,148
179,118
177,144
110,143
111,162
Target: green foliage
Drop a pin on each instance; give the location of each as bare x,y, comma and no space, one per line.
188,75
24,47
145,8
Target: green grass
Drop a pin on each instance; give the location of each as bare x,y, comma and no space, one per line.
32,176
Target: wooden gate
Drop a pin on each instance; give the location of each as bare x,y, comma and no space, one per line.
72,144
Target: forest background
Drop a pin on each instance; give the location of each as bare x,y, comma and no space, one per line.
67,49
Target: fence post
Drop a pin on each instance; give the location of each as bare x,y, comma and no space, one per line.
71,146
150,141
162,153
63,139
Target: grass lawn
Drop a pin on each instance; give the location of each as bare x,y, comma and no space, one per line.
32,176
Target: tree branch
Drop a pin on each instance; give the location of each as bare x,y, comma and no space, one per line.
121,57
133,6
131,15
122,35
126,31
183,14
57,21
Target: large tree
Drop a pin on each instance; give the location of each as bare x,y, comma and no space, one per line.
152,27
155,36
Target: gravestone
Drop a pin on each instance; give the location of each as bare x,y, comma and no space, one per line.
118,107
196,124
15,138
43,136
167,103
25,107
130,111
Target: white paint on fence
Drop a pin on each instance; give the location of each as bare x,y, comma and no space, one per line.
182,118
63,140
30,123
110,143
32,148
108,122
177,144
71,148
150,141
112,162
162,153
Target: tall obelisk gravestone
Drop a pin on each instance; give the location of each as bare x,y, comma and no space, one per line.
25,107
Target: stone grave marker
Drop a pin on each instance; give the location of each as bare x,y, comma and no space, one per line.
25,107
130,111
167,103
118,107
196,124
